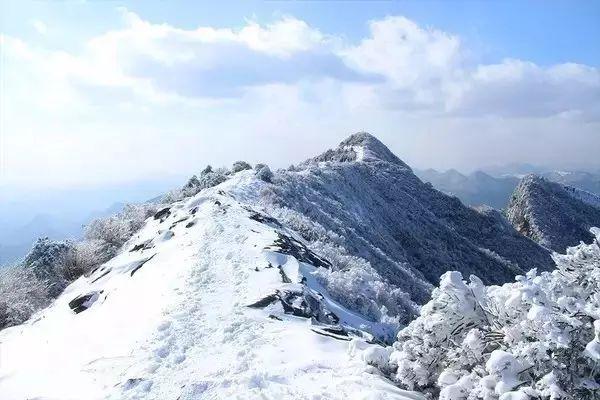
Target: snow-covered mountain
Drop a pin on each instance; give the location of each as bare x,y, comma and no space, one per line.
410,232
479,188
587,181
248,284
211,299
554,215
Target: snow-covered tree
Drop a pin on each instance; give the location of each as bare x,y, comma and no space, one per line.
263,172
112,232
208,178
240,166
536,338
46,260
22,293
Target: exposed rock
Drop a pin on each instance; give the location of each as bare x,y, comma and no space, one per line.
141,264
262,218
163,214
288,245
83,302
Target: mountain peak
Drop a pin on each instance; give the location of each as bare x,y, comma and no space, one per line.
360,146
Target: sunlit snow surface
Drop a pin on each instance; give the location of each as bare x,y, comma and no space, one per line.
170,321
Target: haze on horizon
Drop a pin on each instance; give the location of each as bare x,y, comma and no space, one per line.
106,93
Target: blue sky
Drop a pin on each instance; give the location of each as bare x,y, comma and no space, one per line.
101,92
546,32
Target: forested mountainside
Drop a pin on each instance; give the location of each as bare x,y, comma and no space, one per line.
554,215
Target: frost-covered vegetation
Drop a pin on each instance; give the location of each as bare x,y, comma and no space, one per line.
51,265
21,294
208,178
554,215
409,232
536,338
351,280
263,172
105,236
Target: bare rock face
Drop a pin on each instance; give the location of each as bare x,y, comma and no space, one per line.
554,215
410,232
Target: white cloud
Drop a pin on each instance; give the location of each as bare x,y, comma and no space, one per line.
39,26
517,88
429,69
406,54
149,92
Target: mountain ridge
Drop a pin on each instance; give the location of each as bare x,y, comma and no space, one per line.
250,283
554,215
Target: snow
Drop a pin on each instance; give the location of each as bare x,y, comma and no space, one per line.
592,349
583,195
554,215
505,367
530,339
171,321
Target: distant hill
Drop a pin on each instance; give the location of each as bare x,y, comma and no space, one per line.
554,215
495,186
474,189
29,213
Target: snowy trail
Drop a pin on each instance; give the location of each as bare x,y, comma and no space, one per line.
193,336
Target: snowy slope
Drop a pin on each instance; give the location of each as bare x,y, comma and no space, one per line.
585,196
168,318
554,215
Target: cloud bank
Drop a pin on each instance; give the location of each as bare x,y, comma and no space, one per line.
155,99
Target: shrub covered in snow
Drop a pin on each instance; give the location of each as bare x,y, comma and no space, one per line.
22,293
46,260
191,187
361,289
208,178
536,338
263,172
240,166
109,234
87,255
351,281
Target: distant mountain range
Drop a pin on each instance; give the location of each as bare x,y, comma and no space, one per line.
494,186
29,213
